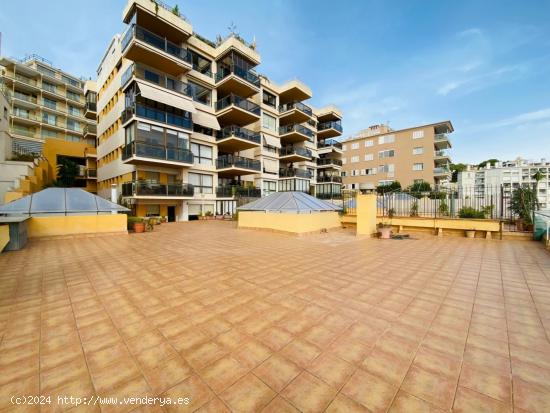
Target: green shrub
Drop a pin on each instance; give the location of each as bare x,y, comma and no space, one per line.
132,220
469,212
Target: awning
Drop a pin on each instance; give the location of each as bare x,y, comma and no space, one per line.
271,165
159,95
206,119
271,141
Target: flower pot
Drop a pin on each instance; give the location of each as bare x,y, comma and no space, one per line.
139,227
385,232
470,233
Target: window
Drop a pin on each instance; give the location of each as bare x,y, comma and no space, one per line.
370,171
355,145
49,133
202,129
354,159
301,185
269,187
269,122
418,167
369,143
152,76
49,118
152,210
418,150
73,125
369,157
6,113
386,139
74,111
389,168
344,147
343,173
49,103
72,138
385,182
202,153
73,96
49,87
269,99
344,161
200,63
203,183
390,153
418,134
200,93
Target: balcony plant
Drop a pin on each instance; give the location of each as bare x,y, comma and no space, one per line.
384,228
136,223
414,209
523,204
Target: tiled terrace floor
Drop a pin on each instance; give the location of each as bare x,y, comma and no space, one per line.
253,321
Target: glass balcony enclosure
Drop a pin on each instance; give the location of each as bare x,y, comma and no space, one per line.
237,64
295,172
329,161
283,130
238,132
154,76
154,188
295,105
335,124
231,161
329,143
239,102
295,150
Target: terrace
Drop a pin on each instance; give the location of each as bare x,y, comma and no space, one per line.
411,325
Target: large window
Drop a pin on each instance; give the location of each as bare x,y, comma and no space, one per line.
386,139
49,103
269,99
202,153
156,135
386,154
369,143
418,134
49,118
73,125
418,167
203,183
355,145
418,151
294,185
200,63
269,187
73,96
200,93
269,122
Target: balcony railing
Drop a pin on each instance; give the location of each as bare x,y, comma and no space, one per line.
325,178
329,143
24,97
163,80
296,105
442,171
239,102
23,131
25,115
238,191
283,130
441,153
158,42
231,161
156,115
91,106
150,188
439,137
91,173
239,132
244,74
337,125
329,161
294,172
161,152
295,150
90,129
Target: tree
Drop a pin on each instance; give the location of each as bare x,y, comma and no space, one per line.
491,161
537,176
67,171
523,202
176,10
456,168
420,186
393,187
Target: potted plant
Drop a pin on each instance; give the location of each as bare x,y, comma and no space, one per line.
209,215
470,233
414,209
523,203
384,228
137,224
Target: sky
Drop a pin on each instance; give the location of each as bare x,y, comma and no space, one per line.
484,65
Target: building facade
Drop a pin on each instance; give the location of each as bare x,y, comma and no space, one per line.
47,117
380,155
187,127
503,177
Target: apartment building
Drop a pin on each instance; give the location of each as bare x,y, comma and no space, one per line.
187,126
48,117
380,155
503,177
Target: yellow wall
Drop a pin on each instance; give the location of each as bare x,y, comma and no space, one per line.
287,222
76,224
4,236
54,147
444,223
366,214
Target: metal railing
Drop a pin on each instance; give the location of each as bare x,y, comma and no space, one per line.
91,173
229,161
328,161
91,106
335,124
283,130
164,81
441,137
239,102
161,152
24,97
294,172
295,150
441,153
239,132
227,191
25,115
248,75
158,42
90,129
441,171
330,143
152,188
156,115
296,105
328,178
23,131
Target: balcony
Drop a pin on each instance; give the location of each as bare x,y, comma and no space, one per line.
236,191
25,117
152,190
294,112
90,130
24,83
329,163
328,178
328,146
90,110
237,80
442,172
236,110
141,45
234,139
329,129
24,100
20,131
441,157
295,133
442,141
157,78
91,173
294,173
295,154
157,115
139,153
230,165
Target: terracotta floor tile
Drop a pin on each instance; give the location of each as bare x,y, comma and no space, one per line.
231,339
405,403
167,374
370,391
437,362
470,401
277,372
222,373
251,353
152,357
531,397
249,394
308,393
102,358
23,387
63,374
279,405
350,350
204,354
479,357
486,381
429,386
113,375
320,336
332,370
214,406
387,366
343,404
194,389
275,338
300,352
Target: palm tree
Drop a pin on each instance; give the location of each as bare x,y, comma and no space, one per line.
537,176
67,171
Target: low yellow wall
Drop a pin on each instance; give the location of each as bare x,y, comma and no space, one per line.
366,214
288,222
4,236
443,223
76,224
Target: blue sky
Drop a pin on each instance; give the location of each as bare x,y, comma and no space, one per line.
485,65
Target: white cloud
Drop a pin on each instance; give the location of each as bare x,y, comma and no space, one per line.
474,31
522,119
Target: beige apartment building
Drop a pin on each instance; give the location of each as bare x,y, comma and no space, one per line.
380,155
48,118
187,127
